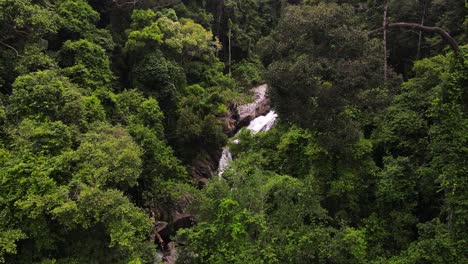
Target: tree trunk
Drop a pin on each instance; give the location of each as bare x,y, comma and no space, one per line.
219,18
418,54
229,44
219,14
385,24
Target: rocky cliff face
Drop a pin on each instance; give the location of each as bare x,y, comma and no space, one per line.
260,106
240,116
204,167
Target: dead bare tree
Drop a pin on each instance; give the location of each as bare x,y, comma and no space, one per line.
420,27
135,3
12,48
423,16
126,3
443,34
384,26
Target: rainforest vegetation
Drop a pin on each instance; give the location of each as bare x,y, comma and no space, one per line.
109,110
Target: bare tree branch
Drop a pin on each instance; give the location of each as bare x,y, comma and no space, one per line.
444,34
134,3
12,48
385,29
125,3
423,16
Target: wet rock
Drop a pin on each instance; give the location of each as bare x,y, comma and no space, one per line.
178,217
230,120
260,106
183,221
239,116
203,168
170,257
182,217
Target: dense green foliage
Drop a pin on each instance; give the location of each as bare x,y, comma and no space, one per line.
310,207
108,107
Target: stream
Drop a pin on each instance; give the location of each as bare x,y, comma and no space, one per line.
260,124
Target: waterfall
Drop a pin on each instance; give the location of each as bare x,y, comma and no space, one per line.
224,161
259,124
263,123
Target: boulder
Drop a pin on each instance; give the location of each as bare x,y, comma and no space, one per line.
260,106
204,167
239,116
170,256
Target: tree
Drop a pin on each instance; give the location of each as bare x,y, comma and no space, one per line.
44,94
77,16
35,59
39,198
241,23
319,59
385,28
160,78
49,96
414,184
162,172
197,123
46,138
357,169
108,158
86,64
434,245
407,43
182,40
25,20
235,230
22,23
397,198
3,119
444,34
78,20
449,136
109,214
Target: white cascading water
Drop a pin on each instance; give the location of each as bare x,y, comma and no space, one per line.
263,123
259,124
224,161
